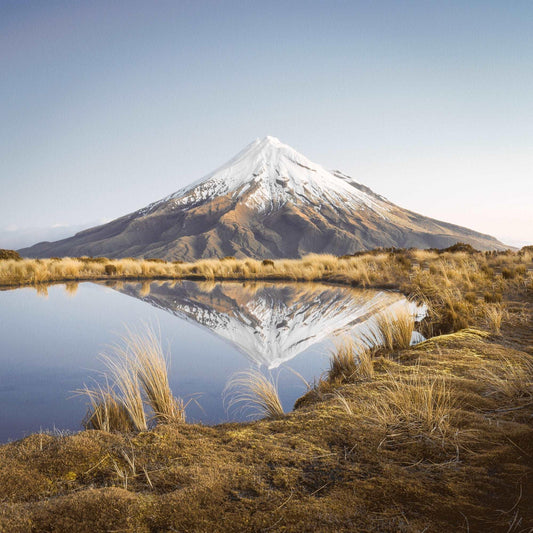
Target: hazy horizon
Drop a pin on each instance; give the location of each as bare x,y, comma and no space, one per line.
113,106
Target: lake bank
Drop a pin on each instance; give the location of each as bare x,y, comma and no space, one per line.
369,461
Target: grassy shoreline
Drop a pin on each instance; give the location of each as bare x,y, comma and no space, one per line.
435,437
462,286
388,267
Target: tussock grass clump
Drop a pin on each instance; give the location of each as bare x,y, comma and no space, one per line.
513,378
107,412
252,391
494,315
125,384
151,367
342,363
415,403
395,328
138,372
351,361
492,297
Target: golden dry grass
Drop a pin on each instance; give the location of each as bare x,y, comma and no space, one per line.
125,385
452,282
415,403
343,364
424,445
394,328
252,391
513,379
438,438
350,361
138,372
145,354
106,410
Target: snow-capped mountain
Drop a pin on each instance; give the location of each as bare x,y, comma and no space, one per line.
268,201
268,174
269,323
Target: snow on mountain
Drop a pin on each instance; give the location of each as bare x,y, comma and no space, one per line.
273,174
269,201
275,322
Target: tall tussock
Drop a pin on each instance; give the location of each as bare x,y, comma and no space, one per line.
144,354
415,402
513,378
351,361
394,328
107,412
139,392
251,390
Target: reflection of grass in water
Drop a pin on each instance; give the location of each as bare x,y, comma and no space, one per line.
71,287
251,390
145,289
42,291
139,377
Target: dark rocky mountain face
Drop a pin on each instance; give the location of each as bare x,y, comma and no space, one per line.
268,201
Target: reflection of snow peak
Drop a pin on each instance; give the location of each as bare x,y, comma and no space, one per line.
271,323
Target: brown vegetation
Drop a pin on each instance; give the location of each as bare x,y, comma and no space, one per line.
139,377
9,254
453,282
432,437
423,442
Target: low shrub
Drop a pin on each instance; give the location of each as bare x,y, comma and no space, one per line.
508,273
460,247
10,254
492,297
110,270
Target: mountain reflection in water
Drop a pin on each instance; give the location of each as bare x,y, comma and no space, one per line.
270,323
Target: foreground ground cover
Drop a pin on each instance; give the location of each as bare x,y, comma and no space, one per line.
436,437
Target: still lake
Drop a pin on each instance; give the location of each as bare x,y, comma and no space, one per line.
51,340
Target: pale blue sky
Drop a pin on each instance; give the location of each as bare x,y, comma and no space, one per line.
107,106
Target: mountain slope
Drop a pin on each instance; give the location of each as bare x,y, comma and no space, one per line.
268,201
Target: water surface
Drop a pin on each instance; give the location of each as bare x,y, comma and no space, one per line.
51,340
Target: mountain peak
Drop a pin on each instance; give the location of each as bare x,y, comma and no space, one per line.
268,174
267,201
269,139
